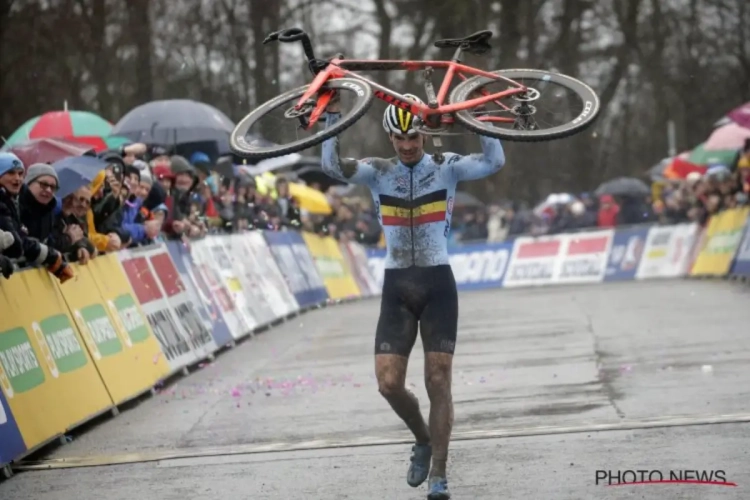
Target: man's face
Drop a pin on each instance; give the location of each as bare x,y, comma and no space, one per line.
81,201
143,189
409,148
183,181
13,180
43,188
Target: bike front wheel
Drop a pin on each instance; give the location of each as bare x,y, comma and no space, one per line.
553,107
256,138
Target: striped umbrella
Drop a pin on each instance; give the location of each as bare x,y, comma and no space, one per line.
79,126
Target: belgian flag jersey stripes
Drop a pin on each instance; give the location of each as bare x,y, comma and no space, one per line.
414,203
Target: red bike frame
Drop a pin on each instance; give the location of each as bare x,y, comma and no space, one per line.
342,68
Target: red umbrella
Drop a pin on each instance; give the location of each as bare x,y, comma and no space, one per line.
49,150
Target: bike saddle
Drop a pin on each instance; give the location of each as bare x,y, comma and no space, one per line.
474,44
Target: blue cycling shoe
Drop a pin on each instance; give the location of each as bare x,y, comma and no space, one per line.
420,464
438,489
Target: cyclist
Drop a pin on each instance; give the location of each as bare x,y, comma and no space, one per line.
413,196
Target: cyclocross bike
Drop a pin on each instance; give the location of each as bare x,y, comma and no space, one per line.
467,102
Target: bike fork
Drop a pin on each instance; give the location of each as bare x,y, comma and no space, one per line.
437,142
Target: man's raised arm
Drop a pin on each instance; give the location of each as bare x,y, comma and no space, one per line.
344,169
476,166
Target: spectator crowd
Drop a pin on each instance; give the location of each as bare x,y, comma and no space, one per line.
146,195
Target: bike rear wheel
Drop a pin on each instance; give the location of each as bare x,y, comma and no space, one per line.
525,110
255,148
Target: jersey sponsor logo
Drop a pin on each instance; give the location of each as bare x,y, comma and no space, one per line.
425,209
426,179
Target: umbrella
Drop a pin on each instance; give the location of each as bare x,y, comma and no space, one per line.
656,173
624,186
464,199
174,122
731,136
49,150
79,126
309,199
741,115
701,156
75,172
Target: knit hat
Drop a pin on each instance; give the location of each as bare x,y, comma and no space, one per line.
146,177
8,162
38,170
180,165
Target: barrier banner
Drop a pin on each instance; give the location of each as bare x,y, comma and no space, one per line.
667,253
164,323
584,258
52,384
723,237
331,266
11,442
626,253
741,266
196,290
376,265
125,369
148,362
173,288
355,257
533,261
217,256
273,284
246,270
477,267
297,267
210,257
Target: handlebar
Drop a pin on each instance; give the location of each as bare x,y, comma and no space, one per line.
295,35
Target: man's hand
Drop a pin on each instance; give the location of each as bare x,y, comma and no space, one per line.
195,231
114,242
178,226
152,229
83,256
74,232
135,149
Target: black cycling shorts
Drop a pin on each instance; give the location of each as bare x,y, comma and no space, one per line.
423,297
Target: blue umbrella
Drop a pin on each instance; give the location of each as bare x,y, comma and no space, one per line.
75,172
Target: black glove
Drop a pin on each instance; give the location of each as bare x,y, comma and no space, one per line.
6,266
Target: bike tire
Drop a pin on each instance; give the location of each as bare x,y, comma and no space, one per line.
363,101
592,106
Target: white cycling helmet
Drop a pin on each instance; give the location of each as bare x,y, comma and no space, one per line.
399,121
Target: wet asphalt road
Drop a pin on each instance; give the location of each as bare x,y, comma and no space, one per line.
552,357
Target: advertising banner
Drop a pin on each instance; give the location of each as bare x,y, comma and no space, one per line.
49,380
331,266
11,442
164,323
297,266
667,251
174,289
280,298
723,236
213,286
215,254
741,266
477,267
198,293
125,370
533,261
246,270
148,364
355,256
584,258
626,253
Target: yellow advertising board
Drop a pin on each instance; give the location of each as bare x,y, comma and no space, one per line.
46,373
722,238
118,334
331,266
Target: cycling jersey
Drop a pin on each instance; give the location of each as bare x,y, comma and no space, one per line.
414,204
